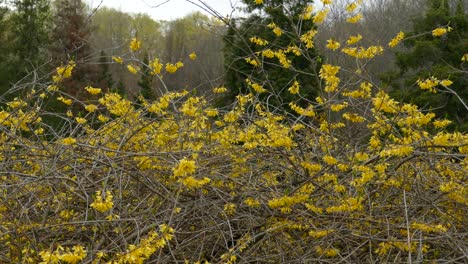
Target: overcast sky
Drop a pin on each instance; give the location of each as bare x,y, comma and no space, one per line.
164,9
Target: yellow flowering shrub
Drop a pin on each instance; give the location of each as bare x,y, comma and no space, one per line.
353,175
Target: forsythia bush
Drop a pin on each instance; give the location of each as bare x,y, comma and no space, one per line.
353,176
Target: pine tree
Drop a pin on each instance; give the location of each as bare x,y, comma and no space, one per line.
146,81
29,25
4,49
433,56
286,15
105,80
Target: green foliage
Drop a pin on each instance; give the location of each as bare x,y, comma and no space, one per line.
30,23
4,49
105,80
434,56
286,15
146,81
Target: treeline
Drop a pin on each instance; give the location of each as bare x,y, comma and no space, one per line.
36,36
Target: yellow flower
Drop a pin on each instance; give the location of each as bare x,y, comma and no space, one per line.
193,56
255,86
307,13
156,66
221,89
184,168
80,120
397,39
211,112
171,68
259,41
103,118
327,2
93,90
252,62
52,88
333,44
133,69
429,228
354,39
351,7
258,2
338,107
330,160
230,208
353,117
320,16
446,82
428,84
441,123
294,89
64,100
135,45
193,183
441,31
64,72
117,59
102,205
277,30
465,57
354,19
91,108
328,252
68,141
252,202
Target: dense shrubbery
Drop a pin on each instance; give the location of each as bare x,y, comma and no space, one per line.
353,177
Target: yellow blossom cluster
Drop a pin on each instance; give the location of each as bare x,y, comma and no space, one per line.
64,72
103,205
440,31
135,44
397,39
328,73
277,30
67,255
333,44
363,53
259,41
172,68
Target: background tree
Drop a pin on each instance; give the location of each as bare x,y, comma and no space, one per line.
71,35
146,81
383,19
30,28
285,17
4,48
434,56
105,80
23,41
199,34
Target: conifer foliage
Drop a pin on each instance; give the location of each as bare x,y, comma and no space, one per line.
437,43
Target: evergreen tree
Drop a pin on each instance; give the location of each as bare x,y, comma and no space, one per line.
4,49
431,55
29,31
285,15
105,80
146,81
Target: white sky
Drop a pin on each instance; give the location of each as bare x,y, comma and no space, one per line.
167,10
